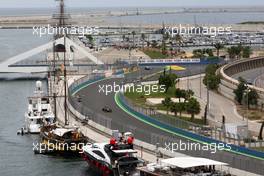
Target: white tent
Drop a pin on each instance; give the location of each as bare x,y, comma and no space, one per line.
187,162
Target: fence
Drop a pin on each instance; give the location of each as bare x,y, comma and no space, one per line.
161,138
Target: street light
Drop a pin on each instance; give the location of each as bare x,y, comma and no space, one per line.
246,93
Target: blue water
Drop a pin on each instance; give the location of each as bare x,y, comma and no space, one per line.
183,18
13,42
16,152
190,18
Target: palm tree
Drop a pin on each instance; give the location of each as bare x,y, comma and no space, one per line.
193,107
133,34
175,108
143,37
218,47
124,37
179,94
167,103
178,40
188,94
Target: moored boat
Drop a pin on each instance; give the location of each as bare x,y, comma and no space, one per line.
114,158
39,111
64,141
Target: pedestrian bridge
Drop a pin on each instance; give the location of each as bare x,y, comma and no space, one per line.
71,46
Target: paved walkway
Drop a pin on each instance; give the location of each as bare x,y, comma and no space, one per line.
219,105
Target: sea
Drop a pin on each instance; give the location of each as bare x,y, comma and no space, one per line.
217,15
16,152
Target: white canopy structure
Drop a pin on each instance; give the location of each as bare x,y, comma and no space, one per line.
188,162
5,66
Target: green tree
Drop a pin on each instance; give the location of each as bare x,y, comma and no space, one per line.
179,93
188,94
163,47
211,69
211,79
209,52
143,38
178,39
239,91
167,103
198,53
123,37
235,51
251,98
168,80
218,47
181,107
154,44
193,107
133,35
91,39
175,108
246,52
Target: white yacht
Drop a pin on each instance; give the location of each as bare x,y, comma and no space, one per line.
114,158
39,111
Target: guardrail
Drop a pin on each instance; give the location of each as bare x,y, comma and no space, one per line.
257,157
252,64
183,133
241,158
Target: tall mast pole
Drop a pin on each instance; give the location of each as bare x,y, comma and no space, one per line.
54,80
62,32
65,84
62,24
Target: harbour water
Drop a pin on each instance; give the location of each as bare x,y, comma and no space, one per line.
16,152
190,18
219,16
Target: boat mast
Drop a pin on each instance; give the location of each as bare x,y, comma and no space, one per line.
62,24
62,32
54,80
65,83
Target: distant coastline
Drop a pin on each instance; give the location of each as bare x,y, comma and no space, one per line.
148,17
253,22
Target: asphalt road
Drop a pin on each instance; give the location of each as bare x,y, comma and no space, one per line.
92,99
96,101
250,75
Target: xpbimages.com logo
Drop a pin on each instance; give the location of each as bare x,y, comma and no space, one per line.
200,30
72,30
188,146
50,146
131,88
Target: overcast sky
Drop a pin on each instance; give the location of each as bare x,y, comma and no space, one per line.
123,3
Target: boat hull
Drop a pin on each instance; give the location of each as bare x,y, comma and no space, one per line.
99,167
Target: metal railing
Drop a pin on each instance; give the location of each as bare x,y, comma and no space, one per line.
160,139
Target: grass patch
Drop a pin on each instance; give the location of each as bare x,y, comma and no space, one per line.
155,54
184,118
252,114
140,97
261,149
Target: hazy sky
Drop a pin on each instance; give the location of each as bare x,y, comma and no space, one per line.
116,3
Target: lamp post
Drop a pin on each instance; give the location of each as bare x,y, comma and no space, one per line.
246,93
